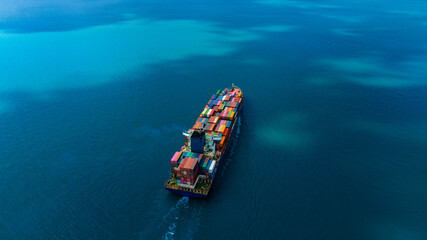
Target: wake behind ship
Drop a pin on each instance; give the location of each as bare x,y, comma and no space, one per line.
194,167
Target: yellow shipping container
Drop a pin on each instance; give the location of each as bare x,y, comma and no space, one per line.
232,116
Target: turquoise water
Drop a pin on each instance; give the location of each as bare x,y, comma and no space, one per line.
332,142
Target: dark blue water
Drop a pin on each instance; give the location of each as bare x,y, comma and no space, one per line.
332,142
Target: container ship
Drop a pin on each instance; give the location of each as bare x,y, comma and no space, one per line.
194,167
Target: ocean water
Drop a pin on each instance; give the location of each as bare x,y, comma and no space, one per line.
332,142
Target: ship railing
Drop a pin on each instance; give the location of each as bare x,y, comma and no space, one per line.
198,191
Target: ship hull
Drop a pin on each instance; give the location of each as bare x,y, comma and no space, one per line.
186,193
221,161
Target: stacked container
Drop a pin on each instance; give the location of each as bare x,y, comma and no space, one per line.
216,119
175,161
203,166
212,169
188,170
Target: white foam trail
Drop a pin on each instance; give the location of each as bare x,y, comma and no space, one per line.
183,203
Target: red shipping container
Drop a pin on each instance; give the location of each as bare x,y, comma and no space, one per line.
211,120
211,127
232,104
191,165
181,165
187,162
226,131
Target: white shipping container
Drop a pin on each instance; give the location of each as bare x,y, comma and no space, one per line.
211,168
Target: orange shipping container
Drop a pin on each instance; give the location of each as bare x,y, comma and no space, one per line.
221,143
232,116
223,128
197,125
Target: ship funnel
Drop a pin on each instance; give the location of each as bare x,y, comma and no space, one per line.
198,141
